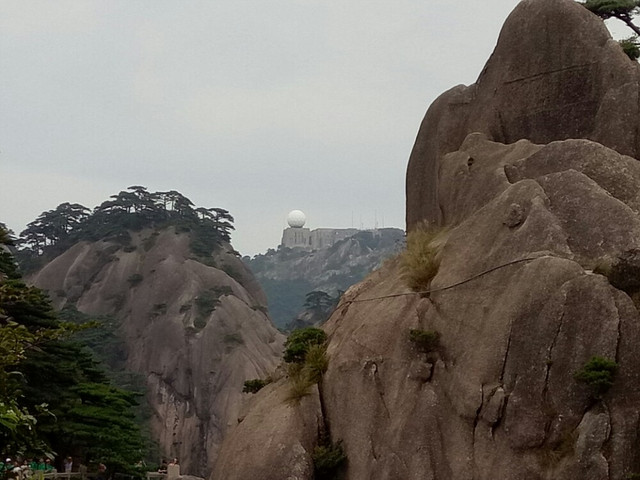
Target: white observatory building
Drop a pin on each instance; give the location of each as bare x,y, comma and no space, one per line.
296,236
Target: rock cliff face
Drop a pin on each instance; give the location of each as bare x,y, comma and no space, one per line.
194,331
555,74
516,302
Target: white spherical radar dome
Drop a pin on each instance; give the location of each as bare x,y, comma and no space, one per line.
296,219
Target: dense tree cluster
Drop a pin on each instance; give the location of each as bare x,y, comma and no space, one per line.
131,209
54,397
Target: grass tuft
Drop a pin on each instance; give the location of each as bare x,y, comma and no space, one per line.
419,261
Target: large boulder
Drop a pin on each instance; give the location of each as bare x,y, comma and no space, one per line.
519,311
275,440
555,74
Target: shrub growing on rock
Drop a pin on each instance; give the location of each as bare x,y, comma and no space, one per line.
425,341
598,374
624,272
306,355
254,385
299,342
419,261
327,460
135,279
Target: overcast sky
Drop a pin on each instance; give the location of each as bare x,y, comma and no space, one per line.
256,106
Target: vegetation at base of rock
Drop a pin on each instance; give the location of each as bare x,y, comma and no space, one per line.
630,47
254,385
135,279
316,362
327,460
134,209
598,374
299,384
419,261
307,361
425,341
624,272
299,342
54,396
206,302
233,339
317,309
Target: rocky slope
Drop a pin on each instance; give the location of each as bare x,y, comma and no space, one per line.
196,332
287,275
516,302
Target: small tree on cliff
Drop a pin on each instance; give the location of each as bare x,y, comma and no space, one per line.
623,10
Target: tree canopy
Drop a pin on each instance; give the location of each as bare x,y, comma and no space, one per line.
132,209
54,396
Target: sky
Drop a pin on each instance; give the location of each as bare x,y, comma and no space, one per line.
259,107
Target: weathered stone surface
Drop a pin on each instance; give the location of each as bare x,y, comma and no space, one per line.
532,203
518,311
274,441
195,364
555,74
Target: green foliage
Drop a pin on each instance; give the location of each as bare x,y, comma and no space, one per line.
299,342
207,301
53,394
131,210
598,373
299,384
419,261
320,305
135,279
307,361
624,272
327,460
425,341
149,242
255,385
630,47
611,8
233,338
316,362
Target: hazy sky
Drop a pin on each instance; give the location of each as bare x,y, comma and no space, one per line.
256,106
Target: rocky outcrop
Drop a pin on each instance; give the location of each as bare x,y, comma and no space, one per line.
196,332
555,74
274,440
516,302
519,311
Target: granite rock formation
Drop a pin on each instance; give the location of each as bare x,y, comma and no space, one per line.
554,74
194,331
532,170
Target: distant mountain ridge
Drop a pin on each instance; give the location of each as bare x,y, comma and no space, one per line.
288,274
